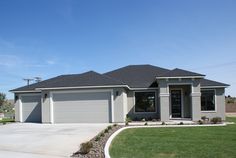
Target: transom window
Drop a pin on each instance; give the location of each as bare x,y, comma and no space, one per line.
145,102
208,100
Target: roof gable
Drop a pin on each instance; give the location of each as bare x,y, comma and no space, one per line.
180,73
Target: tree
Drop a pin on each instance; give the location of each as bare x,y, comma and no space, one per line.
2,98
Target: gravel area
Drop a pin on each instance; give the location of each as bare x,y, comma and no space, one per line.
97,151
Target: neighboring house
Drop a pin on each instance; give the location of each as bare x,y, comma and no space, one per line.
137,91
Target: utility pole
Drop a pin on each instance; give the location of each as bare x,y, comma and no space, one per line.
38,79
28,80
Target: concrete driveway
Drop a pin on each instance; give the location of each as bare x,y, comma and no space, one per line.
44,140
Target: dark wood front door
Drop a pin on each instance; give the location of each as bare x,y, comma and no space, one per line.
176,103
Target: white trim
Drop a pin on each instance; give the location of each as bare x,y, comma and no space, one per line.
213,87
195,94
20,109
164,94
180,77
155,103
182,103
82,87
125,111
51,107
210,111
31,91
112,107
156,88
109,141
82,91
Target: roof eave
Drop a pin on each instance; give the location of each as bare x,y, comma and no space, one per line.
180,77
83,87
215,86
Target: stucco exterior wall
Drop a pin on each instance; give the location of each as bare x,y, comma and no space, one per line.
119,101
17,108
219,105
45,107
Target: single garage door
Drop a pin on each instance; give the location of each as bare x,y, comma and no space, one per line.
82,107
31,108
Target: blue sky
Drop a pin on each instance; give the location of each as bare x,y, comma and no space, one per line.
48,38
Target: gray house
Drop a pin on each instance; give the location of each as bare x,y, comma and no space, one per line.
137,91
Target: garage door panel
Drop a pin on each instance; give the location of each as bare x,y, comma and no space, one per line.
31,108
90,107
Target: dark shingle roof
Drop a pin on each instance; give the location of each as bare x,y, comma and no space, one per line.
180,73
90,78
207,83
137,76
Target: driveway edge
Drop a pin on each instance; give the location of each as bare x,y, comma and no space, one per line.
108,143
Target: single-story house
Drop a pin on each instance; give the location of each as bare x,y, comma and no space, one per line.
136,91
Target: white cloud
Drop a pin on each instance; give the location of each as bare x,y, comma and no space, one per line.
50,62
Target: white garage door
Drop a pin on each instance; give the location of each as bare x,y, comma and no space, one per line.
31,108
82,107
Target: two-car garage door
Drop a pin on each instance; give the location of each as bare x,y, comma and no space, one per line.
82,107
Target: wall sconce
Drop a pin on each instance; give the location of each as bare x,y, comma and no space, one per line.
16,98
117,93
45,95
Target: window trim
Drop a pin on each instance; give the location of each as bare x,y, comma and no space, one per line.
210,111
154,112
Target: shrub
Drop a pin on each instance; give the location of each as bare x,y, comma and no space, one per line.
101,134
163,123
145,123
97,138
85,147
181,123
203,118
128,119
200,122
216,120
143,120
154,120
115,125
109,127
149,119
126,123
106,130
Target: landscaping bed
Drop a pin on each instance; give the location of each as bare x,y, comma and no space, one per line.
95,147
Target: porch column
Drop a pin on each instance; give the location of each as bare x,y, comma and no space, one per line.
164,106
196,106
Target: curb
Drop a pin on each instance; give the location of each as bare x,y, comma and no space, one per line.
108,143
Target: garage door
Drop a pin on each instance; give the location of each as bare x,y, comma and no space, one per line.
83,107
31,108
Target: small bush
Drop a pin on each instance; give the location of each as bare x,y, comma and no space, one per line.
106,130
143,120
154,120
203,118
163,123
181,123
97,138
149,119
216,120
200,122
109,127
85,147
126,123
101,134
128,119
115,125
145,123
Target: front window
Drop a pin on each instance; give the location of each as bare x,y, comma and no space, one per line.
208,100
145,102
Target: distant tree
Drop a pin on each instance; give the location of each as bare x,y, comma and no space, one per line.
229,96
2,98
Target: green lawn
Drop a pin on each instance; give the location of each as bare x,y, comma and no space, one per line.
195,142
5,120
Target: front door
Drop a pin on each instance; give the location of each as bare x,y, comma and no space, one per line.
176,103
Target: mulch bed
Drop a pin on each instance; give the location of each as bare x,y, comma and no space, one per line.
97,151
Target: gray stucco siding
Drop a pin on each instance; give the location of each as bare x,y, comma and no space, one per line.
219,105
46,107
119,104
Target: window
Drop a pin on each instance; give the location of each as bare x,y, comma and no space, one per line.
208,100
145,102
